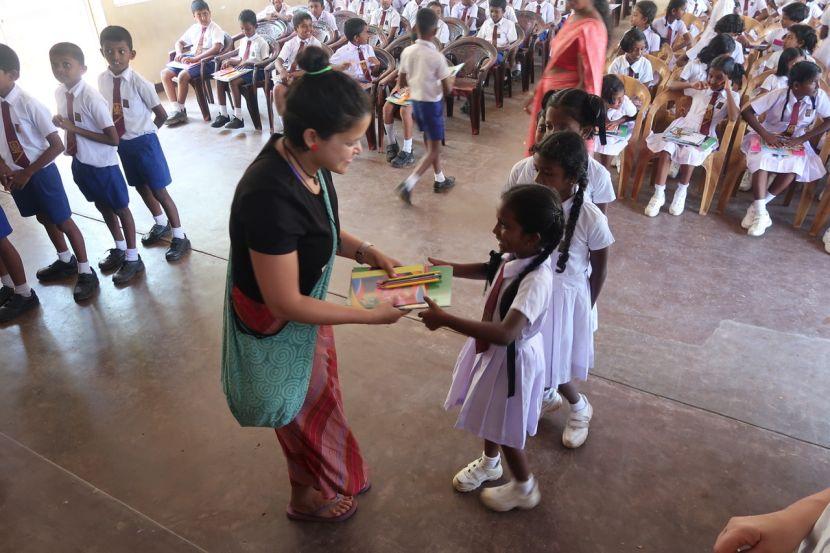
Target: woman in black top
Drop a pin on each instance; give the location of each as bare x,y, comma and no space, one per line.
281,244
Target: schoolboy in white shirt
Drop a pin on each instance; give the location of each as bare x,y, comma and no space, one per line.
275,10
319,16
467,11
442,33
356,58
363,7
285,68
386,19
497,28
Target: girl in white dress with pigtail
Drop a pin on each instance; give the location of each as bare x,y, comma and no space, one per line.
620,115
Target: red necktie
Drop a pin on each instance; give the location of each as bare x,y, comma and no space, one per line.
464,15
364,65
631,72
538,8
495,35
746,7
71,140
669,33
793,119
299,51
247,50
201,43
706,124
382,19
490,308
362,7
16,149
118,107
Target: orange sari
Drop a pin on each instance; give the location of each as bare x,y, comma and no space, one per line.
586,39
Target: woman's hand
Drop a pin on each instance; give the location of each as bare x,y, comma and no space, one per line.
614,125
434,317
763,533
385,314
375,258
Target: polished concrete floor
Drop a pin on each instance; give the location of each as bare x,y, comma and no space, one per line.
710,389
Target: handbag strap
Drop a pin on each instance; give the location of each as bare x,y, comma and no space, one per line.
320,289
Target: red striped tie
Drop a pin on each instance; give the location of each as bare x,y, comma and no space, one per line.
71,139
118,107
18,155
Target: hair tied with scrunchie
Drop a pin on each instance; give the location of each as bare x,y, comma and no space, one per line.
319,71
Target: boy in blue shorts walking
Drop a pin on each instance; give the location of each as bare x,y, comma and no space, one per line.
427,74
28,148
137,114
92,140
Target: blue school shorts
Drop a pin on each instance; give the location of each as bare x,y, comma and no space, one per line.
104,185
44,195
5,227
248,78
430,118
194,70
500,58
144,162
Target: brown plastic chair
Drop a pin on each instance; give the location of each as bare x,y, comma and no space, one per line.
532,24
387,68
201,84
501,72
458,29
633,89
822,214
478,56
660,68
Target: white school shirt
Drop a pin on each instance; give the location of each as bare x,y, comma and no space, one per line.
532,297
819,539
443,32
425,67
642,70
599,190
138,98
32,124
750,8
591,234
326,19
778,109
334,6
772,61
213,35
825,16
721,8
545,10
349,53
661,27
472,15
392,20
775,35
368,7
652,40
822,52
700,103
259,48
774,82
695,71
815,10
699,7
626,109
290,49
411,10
505,28
91,112
270,10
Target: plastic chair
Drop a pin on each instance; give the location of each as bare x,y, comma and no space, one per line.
201,84
458,29
633,89
478,56
532,24
660,68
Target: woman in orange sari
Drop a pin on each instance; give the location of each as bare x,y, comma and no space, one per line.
577,56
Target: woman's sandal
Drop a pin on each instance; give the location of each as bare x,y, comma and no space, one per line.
315,515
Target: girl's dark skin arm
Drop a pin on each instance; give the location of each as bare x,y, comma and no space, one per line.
472,271
752,120
499,333
599,270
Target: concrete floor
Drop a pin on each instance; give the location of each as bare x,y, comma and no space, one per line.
710,389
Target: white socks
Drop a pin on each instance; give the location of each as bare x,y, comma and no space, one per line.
439,177
490,462
579,405
131,254
659,189
760,206
121,245
410,182
407,145
65,256
179,106
769,198
223,110
23,290
178,232
237,112
161,220
525,487
682,187
7,281
390,133
83,268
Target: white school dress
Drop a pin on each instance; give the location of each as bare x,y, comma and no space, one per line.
599,190
701,102
569,328
695,71
480,380
652,40
640,69
772,61
778,106
614,144
774,82
819,539
822,52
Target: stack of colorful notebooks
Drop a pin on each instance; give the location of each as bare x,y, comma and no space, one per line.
406,290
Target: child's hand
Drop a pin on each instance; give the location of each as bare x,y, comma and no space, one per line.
344,66
63,123
435,261
638,102
727,85
178,57
434,317
774,141
225,64
18,179
700,85
794,142
614,125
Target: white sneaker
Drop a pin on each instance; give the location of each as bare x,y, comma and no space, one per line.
551,401
475,474
746,182
576,431
654,204
509,497
826,240
678,203
746,222
760,224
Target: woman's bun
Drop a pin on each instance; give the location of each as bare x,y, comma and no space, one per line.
313,59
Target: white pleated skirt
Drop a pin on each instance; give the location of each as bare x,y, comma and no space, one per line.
684,155
806,168
569,331
614,145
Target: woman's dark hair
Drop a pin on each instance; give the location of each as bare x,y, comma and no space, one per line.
353,27
731,23
586,109
675,4
611,86
630,38
720,45
787,55
801,72
322,99
733,70
796,11
567,150
648,9
806,35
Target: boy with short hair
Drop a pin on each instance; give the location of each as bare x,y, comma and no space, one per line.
285,67
356,58
16,297
319,16
386,19
363,7
468,12
498,30
27,153
427,74
442,32
137,114
92,140
252,49
204,39
276,10
642,16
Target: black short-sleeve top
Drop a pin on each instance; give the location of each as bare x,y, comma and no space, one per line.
274,213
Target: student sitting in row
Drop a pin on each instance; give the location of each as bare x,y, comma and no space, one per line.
671,28
469,13
731,25
780,146
202,40
137,114
92,140
320,16
411,8
786,60
285,68
543,9
443,32
386,19
276,10
756,9
620,115
16,296
332,6
712,102
363,7
28,171
497,29
697,70
791,14
642,17
356,58
633,63
797,36
252,50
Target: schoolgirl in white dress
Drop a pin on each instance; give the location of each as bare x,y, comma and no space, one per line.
633,63
620,113
712,102
798,36
499,377
788,123
788,58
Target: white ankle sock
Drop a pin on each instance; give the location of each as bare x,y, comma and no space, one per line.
439,177
223,110
760,206
579,405
23,290
161,219
390,133
237,112
7,281
179,106
682,186
83,268
131,254
410,181
121,245
407,145
659,189
524,487
490,462
178,232
65,256
769,198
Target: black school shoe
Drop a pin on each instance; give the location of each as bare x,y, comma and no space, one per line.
404,193
236,123
6,293
392,152
112,261
58,270
128,271
220,121
18,305
178,248
404,159
439,187
156,234
85,286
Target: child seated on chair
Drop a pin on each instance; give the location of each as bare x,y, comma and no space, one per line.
697,70
466,11
781,144
276,10
791,14
253,49
712,102
442,32
363,7
633,63
788,58
497,29
285,67
356,58
797,36
620,113
321,17
730,24
387,20
671,28
642,16
202,40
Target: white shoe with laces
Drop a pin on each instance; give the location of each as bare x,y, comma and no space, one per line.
576,430
746,222
475,474
760,224
509,496
654,204
678,203
551,401
826,240
746,182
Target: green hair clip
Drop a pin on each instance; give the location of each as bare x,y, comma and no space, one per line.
320,71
